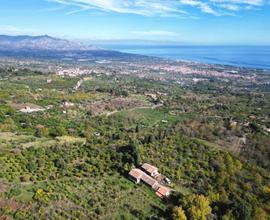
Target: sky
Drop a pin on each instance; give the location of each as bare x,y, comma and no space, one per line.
234,22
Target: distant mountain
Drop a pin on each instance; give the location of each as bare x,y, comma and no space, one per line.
44,42
47,47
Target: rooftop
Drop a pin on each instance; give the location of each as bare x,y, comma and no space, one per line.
140,175
162,192
149,168
136,173
149,180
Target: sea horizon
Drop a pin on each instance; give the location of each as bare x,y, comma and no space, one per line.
249,56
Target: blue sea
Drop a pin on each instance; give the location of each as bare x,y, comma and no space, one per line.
243,56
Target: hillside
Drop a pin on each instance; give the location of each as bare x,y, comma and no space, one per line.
70,158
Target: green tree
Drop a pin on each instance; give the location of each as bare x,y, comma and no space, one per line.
88,132
41,196
200,208
228,216
8,125
60,130
179,214
32,166
41,131
60,163
259,214
135,151
243,210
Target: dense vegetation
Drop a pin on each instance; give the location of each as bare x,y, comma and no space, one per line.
67,162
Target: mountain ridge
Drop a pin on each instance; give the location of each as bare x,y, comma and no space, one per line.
40,42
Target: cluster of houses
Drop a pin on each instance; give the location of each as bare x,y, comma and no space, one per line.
149,175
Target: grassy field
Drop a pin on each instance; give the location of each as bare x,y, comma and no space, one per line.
153,117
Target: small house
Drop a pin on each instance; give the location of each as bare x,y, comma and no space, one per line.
151,170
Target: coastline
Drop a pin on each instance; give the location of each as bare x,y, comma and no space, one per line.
252,57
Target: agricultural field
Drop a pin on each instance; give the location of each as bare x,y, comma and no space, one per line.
65,152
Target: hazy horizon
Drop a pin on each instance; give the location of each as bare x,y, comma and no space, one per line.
134,42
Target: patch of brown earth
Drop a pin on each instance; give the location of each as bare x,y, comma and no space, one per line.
116,104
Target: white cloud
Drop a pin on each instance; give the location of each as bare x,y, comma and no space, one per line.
163,8
223,7
141,7
78,10
204,7
241,2
230,7
155,33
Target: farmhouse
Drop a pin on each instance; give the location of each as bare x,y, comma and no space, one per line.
149,175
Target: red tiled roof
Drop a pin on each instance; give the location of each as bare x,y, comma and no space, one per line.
136,173
149,168
162,192
149,180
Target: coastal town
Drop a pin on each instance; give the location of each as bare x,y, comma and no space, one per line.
180,72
